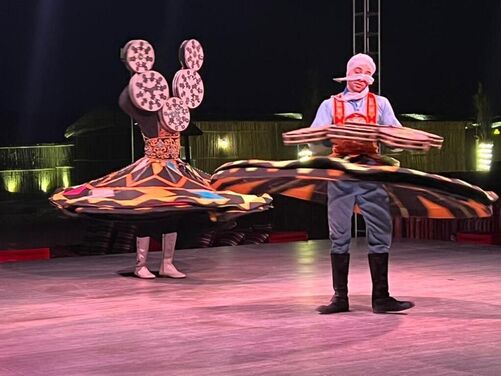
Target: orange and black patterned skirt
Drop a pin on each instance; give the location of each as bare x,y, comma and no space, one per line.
412,193
154,188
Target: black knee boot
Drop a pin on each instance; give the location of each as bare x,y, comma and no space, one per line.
381,299
339,303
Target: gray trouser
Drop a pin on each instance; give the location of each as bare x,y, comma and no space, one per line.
374,204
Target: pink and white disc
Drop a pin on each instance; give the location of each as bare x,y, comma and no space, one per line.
175,115
139,56
402,134
189,87
191,54
148,90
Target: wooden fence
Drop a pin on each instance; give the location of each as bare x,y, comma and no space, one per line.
224,141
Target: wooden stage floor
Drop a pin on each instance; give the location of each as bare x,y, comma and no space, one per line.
249,310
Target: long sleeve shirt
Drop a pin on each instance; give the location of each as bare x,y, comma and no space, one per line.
386,116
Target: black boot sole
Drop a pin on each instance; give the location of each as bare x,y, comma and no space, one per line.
400,308
329,309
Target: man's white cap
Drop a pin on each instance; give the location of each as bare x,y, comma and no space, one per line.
359,60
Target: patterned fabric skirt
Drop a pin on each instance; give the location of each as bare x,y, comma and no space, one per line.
412,193
152,188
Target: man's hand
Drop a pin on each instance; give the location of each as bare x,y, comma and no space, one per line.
320,148
345,147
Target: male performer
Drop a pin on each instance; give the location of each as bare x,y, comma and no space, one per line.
357,104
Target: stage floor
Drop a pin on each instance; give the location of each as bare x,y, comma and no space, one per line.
250,310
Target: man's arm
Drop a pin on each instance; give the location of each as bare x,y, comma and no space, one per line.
387,116
322,118
324,114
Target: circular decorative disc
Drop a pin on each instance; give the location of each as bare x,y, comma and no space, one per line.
148,90
191,54
402,134
189,87
351,132
181,53
303,140
139,56
175,115
308,130
434,139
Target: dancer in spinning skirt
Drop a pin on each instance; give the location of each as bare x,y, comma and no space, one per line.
355,174
159,189
357,104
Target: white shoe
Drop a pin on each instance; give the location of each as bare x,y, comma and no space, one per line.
143,272
142,248
167,268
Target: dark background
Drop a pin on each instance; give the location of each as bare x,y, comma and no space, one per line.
60,59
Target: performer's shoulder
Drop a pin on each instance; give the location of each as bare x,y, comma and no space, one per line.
381,97
331,98
382,100
327,101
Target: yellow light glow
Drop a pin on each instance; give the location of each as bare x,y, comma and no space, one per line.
484,156
46,179
46,167
496,132
304,154
11,184
420,117
485,146
223,143
66,179
305,259
45,183
290,115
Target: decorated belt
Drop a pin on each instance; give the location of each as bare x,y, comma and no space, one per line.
162,147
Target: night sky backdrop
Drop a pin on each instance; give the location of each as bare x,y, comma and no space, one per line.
60,58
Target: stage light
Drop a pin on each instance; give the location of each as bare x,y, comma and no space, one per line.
12,183
420,117
64,176
290,115
223,143
66,179
484,156
304,154
46,179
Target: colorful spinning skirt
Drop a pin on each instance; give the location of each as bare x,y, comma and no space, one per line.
412,193
151,188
